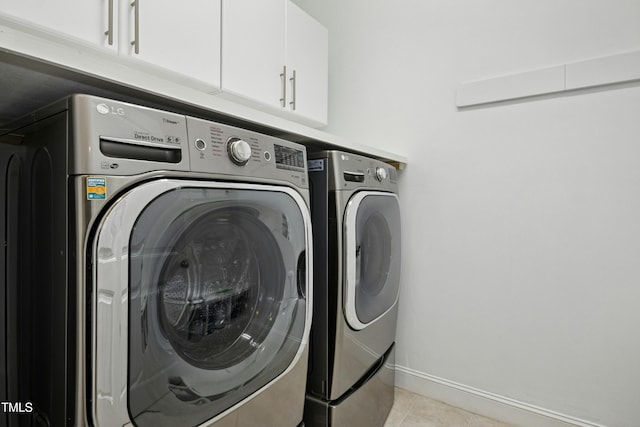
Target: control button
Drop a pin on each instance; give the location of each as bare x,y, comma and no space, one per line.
239,151
200,144
381,174
267,156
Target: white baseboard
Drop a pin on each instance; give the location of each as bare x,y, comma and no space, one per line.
484,403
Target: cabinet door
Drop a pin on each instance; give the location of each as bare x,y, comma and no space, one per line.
182,37
253,49
307,55
85,20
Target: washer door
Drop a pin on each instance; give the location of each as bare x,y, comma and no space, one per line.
217,307
372,256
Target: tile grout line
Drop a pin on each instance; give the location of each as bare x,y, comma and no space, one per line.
406,413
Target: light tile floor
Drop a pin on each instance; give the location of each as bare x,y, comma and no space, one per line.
410,409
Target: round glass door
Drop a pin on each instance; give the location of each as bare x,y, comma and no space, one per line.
372,262
217,305
212,288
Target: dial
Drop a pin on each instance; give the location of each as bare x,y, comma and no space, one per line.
381,174
239,151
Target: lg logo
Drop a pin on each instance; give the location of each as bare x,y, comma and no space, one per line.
106,109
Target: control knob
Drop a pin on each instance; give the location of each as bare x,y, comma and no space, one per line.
381,174
239,151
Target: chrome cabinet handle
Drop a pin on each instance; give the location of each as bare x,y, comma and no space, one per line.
136,41
283,77
293,90
109,31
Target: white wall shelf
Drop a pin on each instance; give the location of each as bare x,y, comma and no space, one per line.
609,70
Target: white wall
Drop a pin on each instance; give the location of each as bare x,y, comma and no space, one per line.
521,220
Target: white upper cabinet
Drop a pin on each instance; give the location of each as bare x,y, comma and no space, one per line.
253,55
178,37
268,54
183,37
275,55
308,58
85,20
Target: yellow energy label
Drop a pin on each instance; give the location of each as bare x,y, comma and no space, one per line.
96,188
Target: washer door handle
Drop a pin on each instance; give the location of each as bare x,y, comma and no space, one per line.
302,275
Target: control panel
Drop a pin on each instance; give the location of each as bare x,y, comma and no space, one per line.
127,139
353,171
223,149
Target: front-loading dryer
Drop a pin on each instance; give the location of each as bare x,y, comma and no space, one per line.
356,225
158,270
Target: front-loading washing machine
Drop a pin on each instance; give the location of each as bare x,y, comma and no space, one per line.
157,270
356,225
